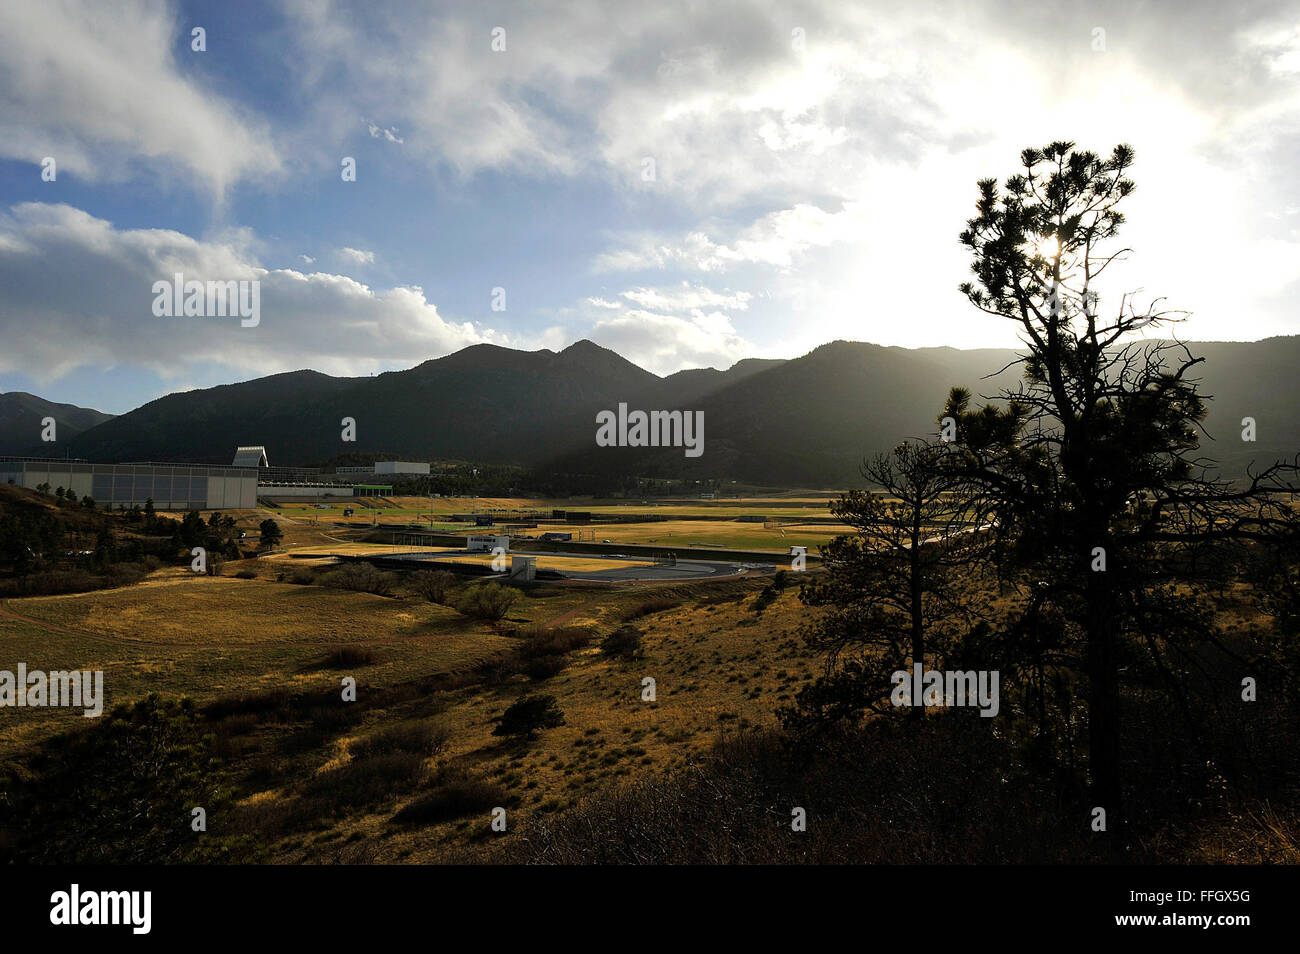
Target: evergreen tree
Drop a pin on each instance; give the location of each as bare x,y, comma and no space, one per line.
1102,504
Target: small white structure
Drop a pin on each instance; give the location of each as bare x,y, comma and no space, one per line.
523,568
400,467
486,543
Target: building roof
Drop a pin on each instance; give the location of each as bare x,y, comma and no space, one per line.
251,457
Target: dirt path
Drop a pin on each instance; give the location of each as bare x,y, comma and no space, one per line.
7,613
563,617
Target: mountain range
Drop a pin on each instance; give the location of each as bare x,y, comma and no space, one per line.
22,417
805,422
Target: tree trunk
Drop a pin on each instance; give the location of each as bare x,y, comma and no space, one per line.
918,631
1103,714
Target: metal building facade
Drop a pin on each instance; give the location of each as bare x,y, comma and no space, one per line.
170,486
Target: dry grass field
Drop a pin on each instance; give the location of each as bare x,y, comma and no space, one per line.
717,668
724,530
179,634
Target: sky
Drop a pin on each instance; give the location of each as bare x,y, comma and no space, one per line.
689,184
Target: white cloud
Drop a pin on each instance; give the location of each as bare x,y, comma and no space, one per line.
97,87
356,255
79,293
777,239
717,97
462,105
667,343
378,132
686,297
1277,43
733,111
668,328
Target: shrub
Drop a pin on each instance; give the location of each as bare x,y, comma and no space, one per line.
544,667
529,714
247,574
553,642
264,704
49,582
239,724
347,657
418,738
543,650
302,577
361,577
362,782
657,604
433,585
490,601
454,799
325,722
124,574
623,643
494,671
769,594
334,718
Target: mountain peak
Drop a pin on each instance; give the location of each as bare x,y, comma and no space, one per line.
587,354
585,346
